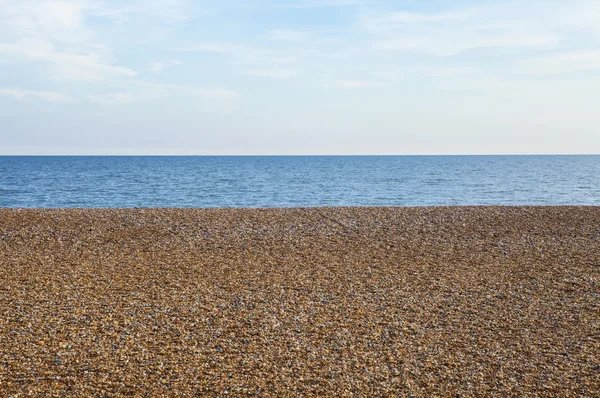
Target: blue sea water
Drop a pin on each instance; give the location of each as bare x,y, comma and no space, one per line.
298,181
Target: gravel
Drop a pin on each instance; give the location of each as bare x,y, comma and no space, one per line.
447,301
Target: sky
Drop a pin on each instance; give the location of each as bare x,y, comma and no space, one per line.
280,77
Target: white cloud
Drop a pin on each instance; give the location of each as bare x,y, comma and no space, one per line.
215,93
294,36
53,32
429,70
317,3
92,66
401,43
582,14
55,20
151,90
54,15
57,33
273,74
27,49
391,20
560,63
356,84
124,12
241,54
21,94
159,66
112,98
447,34
442,46
88,67
448,71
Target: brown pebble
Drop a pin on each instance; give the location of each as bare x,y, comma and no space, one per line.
461,301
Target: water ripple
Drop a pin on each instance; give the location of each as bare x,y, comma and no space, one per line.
290,181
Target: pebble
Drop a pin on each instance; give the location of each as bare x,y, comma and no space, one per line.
438,301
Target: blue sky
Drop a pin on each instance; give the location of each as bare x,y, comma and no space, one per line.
299,77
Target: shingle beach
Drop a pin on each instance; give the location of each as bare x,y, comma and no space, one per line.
440,301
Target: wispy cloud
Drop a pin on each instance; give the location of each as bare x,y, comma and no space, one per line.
257,61
452,33
240,52
21,94
159,66
146,90
560,63
92,66
294,36
429,71
393,19
243,54
124,12
356,84
57,20
297,4
580,15
401,43
215,93
112,98
273,74
54,33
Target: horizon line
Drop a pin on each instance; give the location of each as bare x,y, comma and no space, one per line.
295,155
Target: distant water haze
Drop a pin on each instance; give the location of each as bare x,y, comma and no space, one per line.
298,181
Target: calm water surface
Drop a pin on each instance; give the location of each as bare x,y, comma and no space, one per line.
290,181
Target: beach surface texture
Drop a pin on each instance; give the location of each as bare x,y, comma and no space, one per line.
467,301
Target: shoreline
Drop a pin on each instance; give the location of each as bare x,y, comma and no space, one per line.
468,300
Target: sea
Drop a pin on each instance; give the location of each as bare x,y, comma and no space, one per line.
297,181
